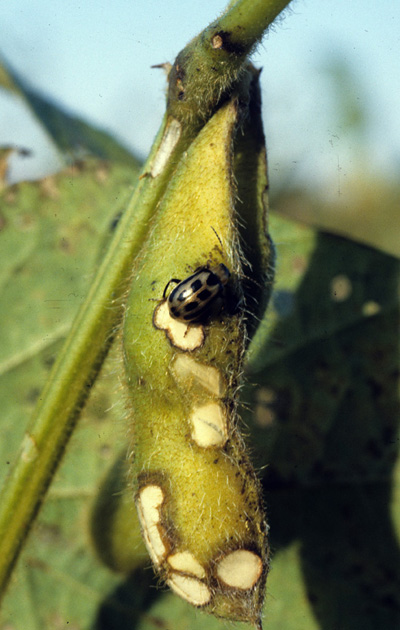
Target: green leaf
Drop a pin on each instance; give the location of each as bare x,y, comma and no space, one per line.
73,135
366,210
326,418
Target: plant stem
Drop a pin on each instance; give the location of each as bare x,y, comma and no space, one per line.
247,20
210,66
76,368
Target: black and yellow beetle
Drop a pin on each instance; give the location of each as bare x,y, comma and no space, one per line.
199,296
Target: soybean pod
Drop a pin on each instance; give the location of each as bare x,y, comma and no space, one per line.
198,498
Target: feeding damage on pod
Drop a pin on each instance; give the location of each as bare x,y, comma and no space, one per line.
209,425
179,334
149,502
194,591
222,583
185,562
187,371
240,569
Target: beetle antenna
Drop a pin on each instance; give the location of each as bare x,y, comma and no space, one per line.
173,280
217,236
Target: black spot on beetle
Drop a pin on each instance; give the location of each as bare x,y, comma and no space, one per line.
212,280
196,285
204,295
191,306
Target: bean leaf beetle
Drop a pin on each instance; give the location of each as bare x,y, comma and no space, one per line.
199,296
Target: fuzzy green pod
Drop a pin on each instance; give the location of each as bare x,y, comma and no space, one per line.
198,498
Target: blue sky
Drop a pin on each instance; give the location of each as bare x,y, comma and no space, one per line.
94,58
